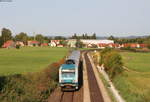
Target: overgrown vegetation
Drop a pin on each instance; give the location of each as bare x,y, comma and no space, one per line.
31,87
112,61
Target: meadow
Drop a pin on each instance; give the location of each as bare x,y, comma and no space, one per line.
133,84
137,61
28,59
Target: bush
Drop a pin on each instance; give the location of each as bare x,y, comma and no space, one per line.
112,61
18,46
102,54
113,64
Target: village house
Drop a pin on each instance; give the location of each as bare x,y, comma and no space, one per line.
33,43
20,43
132,45
44,44
9,44
54,43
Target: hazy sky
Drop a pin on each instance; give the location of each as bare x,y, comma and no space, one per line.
65,17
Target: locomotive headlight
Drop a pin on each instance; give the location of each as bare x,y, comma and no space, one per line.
74,80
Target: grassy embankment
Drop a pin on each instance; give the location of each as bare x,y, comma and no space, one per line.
29,87
134,84
28,59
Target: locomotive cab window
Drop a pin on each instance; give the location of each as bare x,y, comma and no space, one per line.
70,62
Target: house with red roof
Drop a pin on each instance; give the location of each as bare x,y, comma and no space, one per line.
132,45
143,45
44,44
33,43
102,45
9,44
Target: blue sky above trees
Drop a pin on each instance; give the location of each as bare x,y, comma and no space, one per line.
65,17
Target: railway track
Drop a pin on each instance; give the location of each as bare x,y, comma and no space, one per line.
59,96
95,92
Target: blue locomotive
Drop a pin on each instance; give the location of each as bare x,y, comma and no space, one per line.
69,72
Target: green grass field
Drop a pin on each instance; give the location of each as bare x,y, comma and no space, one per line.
28,59
134,84
137,61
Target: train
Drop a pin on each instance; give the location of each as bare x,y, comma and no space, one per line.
69,72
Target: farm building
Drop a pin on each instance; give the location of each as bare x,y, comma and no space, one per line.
97,42
72,42
90,43
111,45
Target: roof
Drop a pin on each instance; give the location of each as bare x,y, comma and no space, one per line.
34,42
8,43
75,55
68,66
96,41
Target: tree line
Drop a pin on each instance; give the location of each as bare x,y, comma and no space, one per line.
139,40
84,36
6,35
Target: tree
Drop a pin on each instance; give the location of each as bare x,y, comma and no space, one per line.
86,36
94,36
74,36
83,36
59,38
22,37
39,38
63,42
30,37
111,38
1,42
6,35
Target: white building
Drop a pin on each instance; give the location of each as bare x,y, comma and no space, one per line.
97,41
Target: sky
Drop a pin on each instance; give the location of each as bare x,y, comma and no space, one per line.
66,17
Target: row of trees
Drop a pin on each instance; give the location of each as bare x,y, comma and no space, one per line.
144,40
84,36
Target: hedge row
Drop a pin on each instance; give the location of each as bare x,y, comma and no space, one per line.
31,87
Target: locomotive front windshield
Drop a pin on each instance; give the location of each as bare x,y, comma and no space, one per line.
68,74
70,61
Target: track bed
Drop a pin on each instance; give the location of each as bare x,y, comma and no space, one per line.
95,92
